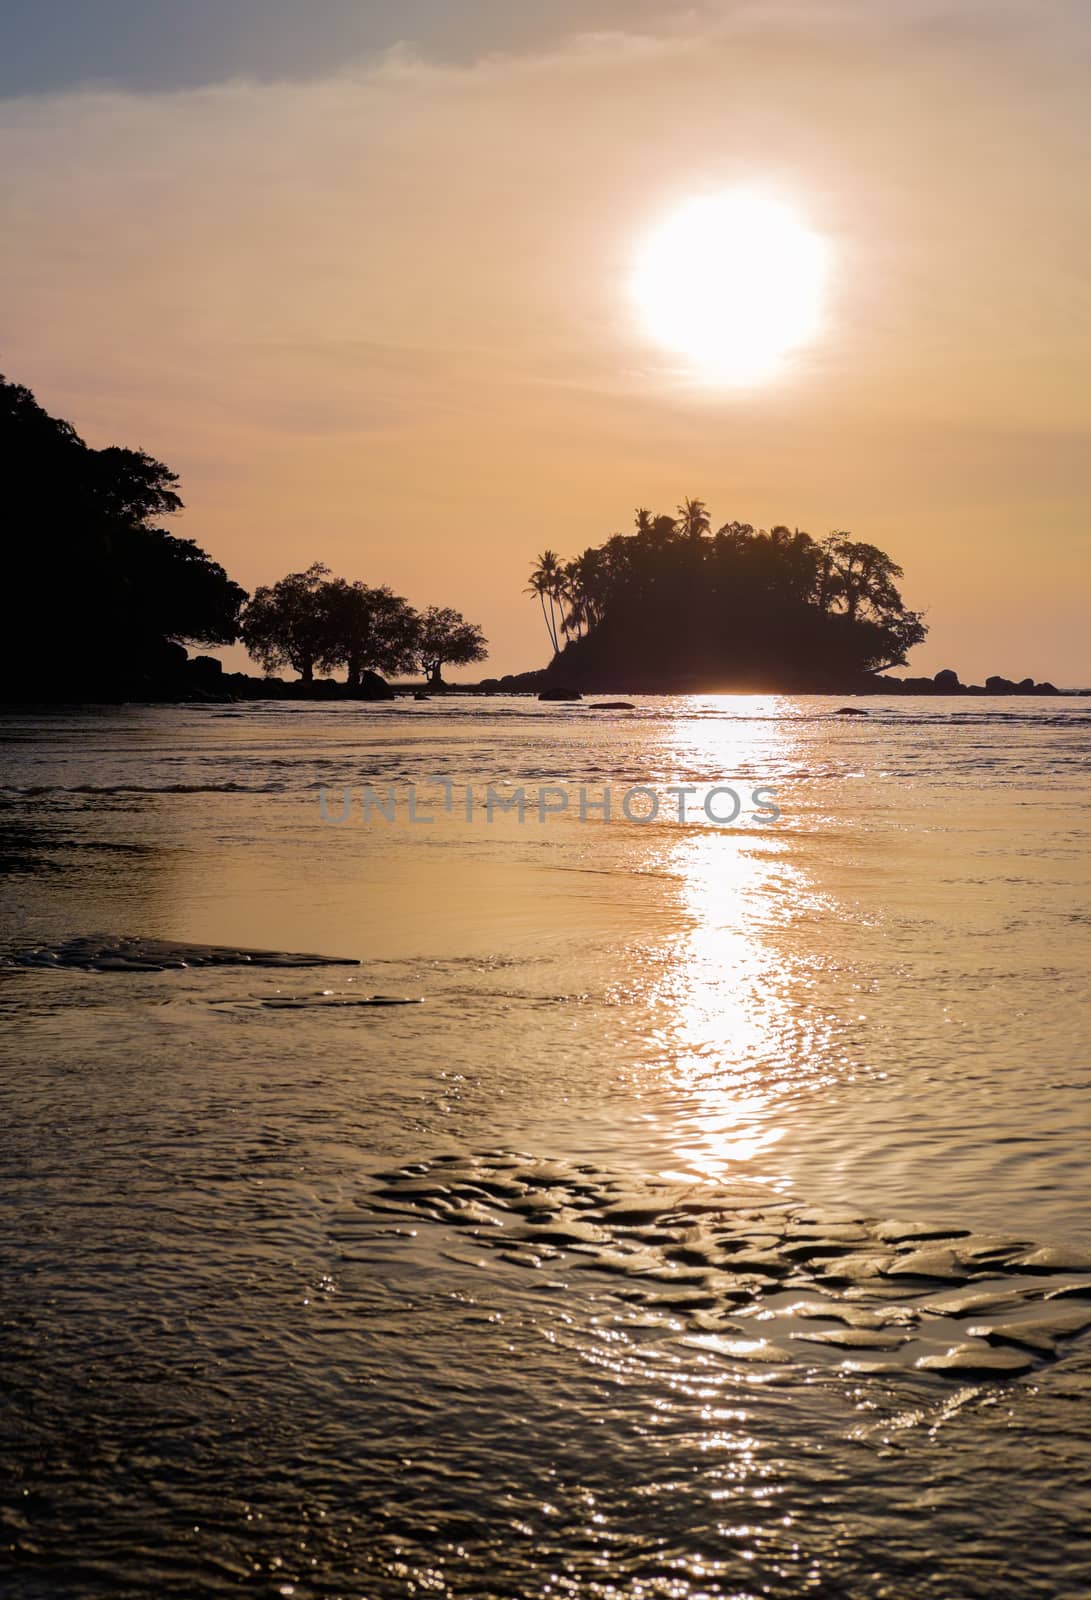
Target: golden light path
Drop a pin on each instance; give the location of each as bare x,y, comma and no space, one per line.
739,1013
734,282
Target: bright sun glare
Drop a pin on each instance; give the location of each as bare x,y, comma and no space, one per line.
734,282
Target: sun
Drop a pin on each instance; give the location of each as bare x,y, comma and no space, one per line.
733,281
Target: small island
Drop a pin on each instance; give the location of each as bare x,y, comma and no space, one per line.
674,607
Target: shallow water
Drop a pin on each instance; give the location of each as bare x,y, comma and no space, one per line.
229,1363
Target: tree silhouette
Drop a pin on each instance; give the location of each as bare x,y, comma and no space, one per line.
121,591
286,625
693,521
444,637
366,630
546,583
671,603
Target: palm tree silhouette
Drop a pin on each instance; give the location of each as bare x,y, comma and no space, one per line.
693,522
546,581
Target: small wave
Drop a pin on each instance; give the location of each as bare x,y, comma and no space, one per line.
96,953
140,788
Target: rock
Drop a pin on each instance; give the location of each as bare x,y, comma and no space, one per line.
607,705
560,694
850,711
947,681
206,671
997,685
372,687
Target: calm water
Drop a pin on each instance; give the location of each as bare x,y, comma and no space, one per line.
227,1368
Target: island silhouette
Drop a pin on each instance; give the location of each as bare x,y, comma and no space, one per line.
102,602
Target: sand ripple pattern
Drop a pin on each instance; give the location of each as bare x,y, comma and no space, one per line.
758,1278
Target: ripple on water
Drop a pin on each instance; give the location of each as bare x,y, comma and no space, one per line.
106,953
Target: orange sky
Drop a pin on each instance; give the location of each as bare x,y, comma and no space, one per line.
379,317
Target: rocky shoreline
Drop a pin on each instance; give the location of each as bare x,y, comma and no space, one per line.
549,686
174,677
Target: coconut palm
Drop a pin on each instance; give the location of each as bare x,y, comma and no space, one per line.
546,581
693,520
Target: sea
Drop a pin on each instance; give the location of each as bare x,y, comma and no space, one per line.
481,1148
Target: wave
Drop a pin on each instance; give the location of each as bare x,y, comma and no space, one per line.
141,788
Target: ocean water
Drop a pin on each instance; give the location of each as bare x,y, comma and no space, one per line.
628,1258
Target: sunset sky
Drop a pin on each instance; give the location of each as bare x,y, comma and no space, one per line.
362,274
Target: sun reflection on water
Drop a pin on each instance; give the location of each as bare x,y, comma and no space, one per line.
740,1027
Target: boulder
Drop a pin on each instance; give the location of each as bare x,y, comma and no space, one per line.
998,685
560,694
372,687
947,681
206,671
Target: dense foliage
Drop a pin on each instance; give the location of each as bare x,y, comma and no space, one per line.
95,591
445,637
99,599
311,620
674,604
